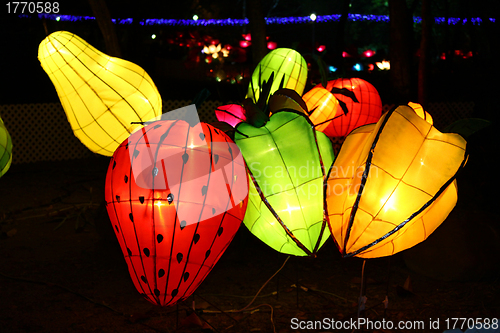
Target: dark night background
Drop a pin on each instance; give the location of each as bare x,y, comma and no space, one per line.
74,279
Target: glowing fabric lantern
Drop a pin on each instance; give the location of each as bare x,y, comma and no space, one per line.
101,95
233,114
392,184
287,164
421,113
5,149
288,67
366,108
176,195
322,106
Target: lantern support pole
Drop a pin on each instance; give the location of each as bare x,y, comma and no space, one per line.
362,293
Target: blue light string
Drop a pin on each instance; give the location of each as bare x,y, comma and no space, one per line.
269,20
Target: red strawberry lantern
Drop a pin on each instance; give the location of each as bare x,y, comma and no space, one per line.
359,104
176,194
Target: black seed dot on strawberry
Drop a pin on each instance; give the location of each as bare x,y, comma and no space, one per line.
157,126
141,199
114,164
129,252
216,158
155,171
213,211
117,198
216,131
174,292
219,232
179,257
170,198
146,251
196,238
126,145
143,278
204,190
136,153
157,292
207,254
159,238
202,136
183,224
230,151
125,179
131,217
116,227
161,272
186,276
185,158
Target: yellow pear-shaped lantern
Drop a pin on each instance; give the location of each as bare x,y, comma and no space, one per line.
102,96
289,68
5,149
393,184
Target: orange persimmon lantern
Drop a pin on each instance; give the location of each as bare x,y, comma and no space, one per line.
392,184
176,193
359,104
105,98
322,106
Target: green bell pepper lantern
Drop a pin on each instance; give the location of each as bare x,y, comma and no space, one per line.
287,163
5,149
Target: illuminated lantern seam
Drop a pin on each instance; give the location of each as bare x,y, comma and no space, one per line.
170,249
101,95
5,149
374,243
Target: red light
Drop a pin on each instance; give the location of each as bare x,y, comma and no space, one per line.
321,48
272,45
345,54
244,43
371,67
442,56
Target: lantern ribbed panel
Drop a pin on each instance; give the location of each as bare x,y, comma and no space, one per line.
175,195
287,161
101,95
367,110
284,63
5,149
392,184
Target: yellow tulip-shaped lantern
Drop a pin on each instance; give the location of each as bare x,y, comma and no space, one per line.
5,149
392,184
105,98
289,68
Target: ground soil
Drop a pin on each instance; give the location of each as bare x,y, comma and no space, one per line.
62,273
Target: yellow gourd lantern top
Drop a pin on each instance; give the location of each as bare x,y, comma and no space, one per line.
5,149
392,184
101,95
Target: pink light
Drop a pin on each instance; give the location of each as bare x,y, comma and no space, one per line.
369,53
321,48
245,43
247,37
272,45
346,55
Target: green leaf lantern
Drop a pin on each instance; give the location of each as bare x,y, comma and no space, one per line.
5,149
287,161
289,68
